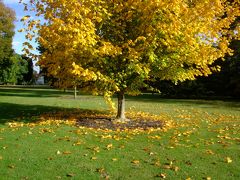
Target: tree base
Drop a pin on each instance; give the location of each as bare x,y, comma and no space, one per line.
120,120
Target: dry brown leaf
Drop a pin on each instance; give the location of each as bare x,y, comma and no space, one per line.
67,152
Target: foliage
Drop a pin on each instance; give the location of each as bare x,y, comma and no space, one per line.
220,84
7,16
28,76
15,71
117,45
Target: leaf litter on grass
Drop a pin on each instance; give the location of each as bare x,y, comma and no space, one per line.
180,129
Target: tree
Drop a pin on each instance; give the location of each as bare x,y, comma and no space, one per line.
16,70
28,77
116,45
7,17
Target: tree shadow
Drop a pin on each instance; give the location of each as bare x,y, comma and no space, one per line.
10,112
32,92
24,113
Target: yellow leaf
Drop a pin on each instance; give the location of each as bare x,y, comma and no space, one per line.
135,162
228,160
96,149
114,159
100,170
58,152
209,151
175,168
109,146
77,143
161,175
93,158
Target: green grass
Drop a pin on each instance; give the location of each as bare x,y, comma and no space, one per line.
204,135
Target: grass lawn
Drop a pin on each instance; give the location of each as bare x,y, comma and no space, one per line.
201,142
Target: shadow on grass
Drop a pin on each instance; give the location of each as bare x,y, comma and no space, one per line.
25,113
32,92
10,112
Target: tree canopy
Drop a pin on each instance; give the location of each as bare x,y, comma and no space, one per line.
116,45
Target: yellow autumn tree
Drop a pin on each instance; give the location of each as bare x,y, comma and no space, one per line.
116,45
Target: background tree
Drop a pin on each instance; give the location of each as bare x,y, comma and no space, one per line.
119,44
28,77
14,73
7,17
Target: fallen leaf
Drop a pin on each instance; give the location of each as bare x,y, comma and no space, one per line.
58,152
188,163
151,153
67,152
166,167
209,151
96,149
109,146
161,175
114,159
11,166
135,162
228,160
175,168
100,170
70,175
157,163
77,143
93,158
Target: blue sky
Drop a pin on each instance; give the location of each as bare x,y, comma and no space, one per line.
19,38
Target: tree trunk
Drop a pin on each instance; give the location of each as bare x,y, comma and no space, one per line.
75,92
121,106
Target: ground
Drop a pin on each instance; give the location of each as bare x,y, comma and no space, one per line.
42,137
